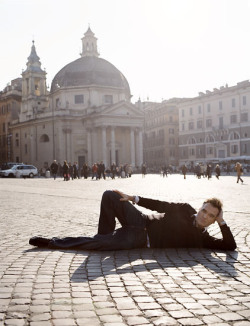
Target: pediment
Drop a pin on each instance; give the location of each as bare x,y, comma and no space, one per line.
122,109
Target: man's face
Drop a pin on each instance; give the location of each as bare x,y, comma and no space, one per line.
206,215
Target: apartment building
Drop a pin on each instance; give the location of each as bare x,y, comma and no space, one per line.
215,126
10,103
160,142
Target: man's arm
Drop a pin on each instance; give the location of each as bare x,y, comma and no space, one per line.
152,204
227,242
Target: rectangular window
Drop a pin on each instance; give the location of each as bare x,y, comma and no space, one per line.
191,111
208,107
209,123
57,103
220,122
209,150
233,102
244,117
233,118
191,125
199,109
234,149
199,124
191,151
108,99
17,142
182,113
244,100
79,99
220,105
183,127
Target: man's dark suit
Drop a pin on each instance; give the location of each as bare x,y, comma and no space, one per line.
175,229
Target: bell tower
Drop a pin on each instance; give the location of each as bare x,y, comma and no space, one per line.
34,91
89,44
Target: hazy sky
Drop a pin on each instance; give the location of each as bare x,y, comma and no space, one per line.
165,48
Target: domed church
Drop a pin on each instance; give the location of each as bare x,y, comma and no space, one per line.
87,116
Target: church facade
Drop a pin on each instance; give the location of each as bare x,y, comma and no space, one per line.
86,117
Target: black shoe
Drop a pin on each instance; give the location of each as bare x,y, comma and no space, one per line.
39,242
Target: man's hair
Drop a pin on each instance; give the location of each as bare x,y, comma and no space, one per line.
217,203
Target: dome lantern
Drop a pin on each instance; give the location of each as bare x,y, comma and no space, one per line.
89,44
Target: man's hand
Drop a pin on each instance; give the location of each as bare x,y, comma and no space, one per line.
220,219
124,196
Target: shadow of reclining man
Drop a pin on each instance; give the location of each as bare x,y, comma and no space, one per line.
178,225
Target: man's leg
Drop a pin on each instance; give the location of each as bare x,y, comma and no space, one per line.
112,207
124,238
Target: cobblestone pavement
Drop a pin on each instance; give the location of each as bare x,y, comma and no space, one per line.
41,287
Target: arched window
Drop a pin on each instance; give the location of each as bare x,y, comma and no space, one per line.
234,135
209,139
44,138
191,140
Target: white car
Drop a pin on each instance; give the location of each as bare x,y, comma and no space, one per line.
20,171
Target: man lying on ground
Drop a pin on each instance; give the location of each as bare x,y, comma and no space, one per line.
177,225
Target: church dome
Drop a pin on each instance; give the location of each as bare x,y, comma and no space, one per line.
90,71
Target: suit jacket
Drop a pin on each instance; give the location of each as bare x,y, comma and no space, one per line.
177,229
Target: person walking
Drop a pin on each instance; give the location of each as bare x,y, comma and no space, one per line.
102,170
65,170
239,171
94,171
85,170
113,170
143,170
184,170
54,169
217,171
209,171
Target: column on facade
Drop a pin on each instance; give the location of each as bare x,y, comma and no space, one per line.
132,146
94,146
112,145
68,144
89,148
33,145
139,148
104,146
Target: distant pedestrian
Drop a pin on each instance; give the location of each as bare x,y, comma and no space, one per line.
209,171
85,170
71,171
239,171
184,170
54,169
75,171
65,170
113,170
143,170
101,170
164,171
217,171
94,171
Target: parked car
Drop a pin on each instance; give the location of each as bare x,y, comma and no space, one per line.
9,165
20,171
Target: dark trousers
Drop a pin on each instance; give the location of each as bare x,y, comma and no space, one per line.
131,235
